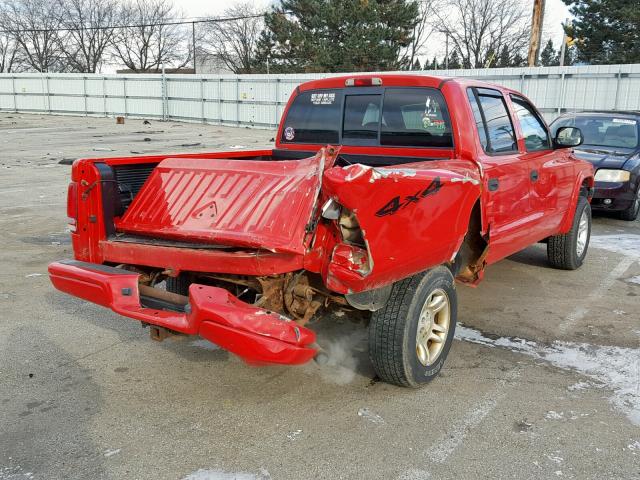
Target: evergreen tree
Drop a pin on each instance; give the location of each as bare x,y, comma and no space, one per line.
337,35
454,61
518,60
504,60
416,65
549,56
606,31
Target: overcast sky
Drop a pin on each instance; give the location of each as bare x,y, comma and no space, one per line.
555,13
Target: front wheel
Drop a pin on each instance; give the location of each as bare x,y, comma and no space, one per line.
631,213
569,250
410,337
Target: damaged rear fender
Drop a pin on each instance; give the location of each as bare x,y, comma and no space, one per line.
412,218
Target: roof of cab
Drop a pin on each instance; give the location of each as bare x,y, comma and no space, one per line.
398,80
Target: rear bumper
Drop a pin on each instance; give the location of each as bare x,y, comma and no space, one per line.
255,335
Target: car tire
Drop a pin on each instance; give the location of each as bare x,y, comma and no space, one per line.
179,284
631,213
410,337
569,250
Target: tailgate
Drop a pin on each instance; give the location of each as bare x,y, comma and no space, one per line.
248,203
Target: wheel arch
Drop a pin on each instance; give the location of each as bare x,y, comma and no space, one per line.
583,186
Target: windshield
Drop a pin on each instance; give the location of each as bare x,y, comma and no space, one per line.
405,117
603,131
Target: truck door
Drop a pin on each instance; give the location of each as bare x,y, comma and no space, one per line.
506,190
550,171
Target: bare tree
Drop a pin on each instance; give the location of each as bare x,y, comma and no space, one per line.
10,58
481,30
147,42
423,30
88,32
34,25
234,42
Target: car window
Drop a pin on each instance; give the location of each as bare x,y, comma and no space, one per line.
415,117
602,130
500,135
477,116
533,130
361,117
314,117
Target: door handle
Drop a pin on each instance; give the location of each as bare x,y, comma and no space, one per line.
534,175
493,184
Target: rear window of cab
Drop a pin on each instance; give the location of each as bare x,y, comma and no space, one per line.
408,117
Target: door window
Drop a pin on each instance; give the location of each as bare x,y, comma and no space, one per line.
500,135
534,132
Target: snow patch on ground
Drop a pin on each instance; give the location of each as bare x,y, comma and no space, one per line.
635,280
415,474
617,368
370,415
627,244
294,435
222,475
14,473
111,453
553,415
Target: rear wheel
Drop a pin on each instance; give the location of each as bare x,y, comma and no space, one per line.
631,213
410,337
569,250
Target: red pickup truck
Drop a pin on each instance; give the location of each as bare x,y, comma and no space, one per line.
380,193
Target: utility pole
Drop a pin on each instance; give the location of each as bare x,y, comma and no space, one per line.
536,32
193,41
446,52
563,47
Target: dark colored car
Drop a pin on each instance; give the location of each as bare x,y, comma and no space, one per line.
611,143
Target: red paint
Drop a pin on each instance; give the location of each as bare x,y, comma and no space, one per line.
255,335
245,203
266,213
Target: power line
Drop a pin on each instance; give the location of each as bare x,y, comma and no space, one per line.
143,25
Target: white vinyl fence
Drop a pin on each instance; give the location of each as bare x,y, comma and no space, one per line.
258,100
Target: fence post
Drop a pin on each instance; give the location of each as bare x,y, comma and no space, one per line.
277,103
124,89
522,74
561,100
202,100
220,100
47,94
104,95
165,96
238,100
84,91
619,77
15,93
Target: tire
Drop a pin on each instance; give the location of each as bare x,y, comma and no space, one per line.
569,250
631,213
179,284
396,348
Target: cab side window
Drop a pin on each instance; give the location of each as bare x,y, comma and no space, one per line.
535,133
495,129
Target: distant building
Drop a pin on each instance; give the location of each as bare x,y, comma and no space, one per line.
210,63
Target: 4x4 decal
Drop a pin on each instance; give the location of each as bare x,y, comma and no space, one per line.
396,203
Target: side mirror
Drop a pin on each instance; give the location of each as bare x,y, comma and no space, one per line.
567,137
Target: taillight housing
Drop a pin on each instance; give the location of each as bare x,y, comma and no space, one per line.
72,205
